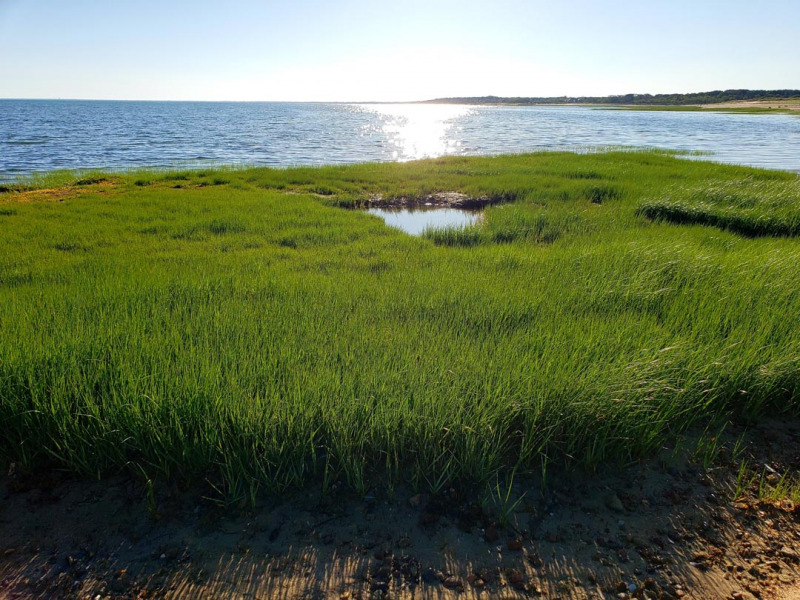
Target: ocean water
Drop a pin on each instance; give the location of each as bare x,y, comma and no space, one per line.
41,135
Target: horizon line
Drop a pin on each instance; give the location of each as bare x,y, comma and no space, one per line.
402,101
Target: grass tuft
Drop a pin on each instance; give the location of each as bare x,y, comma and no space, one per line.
751,207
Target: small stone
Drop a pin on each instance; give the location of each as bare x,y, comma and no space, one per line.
516,578
773,564
788,553
754,589
756,572
452,582
488,575
490,534
614,503
514,544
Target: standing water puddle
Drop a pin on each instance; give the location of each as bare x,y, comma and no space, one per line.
417,220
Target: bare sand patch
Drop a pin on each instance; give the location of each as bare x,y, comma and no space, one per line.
665,528
785,104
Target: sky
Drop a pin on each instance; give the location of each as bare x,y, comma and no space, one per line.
382,50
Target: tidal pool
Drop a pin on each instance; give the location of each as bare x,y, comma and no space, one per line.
417,220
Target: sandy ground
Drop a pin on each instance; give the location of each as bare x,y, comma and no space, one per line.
787,104
665,528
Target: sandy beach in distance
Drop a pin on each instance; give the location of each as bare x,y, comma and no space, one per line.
784,104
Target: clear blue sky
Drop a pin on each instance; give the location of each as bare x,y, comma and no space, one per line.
384,50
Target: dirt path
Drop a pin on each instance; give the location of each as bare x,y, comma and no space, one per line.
667,528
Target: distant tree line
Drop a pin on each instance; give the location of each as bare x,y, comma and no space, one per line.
655,99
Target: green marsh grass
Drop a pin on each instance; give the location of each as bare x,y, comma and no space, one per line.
766,486
245,330
751,206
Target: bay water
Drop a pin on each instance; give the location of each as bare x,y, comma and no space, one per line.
42,135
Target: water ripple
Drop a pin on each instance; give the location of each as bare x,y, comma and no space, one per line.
39,135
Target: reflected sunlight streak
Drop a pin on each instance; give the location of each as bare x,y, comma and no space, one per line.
420,130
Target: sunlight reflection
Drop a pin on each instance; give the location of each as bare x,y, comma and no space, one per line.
420,130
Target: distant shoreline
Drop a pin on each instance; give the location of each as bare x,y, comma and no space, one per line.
741,98
775,106
791,105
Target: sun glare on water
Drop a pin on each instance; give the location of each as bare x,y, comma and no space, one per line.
420,130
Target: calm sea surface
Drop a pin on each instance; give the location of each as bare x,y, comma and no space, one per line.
41,135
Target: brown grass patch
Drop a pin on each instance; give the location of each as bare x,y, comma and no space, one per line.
57,194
